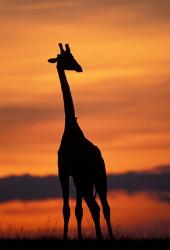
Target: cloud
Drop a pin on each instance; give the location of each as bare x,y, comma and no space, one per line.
19,115
160,196
26,126
133,182
69,10
161,169
28,187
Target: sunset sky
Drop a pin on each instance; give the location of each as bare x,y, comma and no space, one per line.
122,99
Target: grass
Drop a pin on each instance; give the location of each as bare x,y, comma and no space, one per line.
86,243
46,237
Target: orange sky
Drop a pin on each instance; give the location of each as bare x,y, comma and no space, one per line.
122,98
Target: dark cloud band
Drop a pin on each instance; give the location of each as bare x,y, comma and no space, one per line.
26,188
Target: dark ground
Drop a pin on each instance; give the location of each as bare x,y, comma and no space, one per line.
85,244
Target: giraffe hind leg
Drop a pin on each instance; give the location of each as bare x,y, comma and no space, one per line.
102,192
95,212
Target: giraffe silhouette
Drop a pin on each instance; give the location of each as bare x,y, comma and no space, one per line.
79,158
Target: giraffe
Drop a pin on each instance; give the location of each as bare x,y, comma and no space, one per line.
79,158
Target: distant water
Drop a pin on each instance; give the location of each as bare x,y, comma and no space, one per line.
133,215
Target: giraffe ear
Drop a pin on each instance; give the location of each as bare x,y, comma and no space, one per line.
52,60
61,48
67,48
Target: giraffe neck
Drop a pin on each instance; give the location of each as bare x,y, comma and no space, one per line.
67,98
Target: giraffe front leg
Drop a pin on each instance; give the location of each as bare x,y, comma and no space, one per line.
79,213
66,208
66,215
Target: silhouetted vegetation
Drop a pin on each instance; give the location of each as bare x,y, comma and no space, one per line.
88,243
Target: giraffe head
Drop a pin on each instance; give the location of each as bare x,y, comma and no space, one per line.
65,59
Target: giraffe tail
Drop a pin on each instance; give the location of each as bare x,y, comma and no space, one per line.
95,192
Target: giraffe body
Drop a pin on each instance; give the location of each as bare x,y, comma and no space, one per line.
79,158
